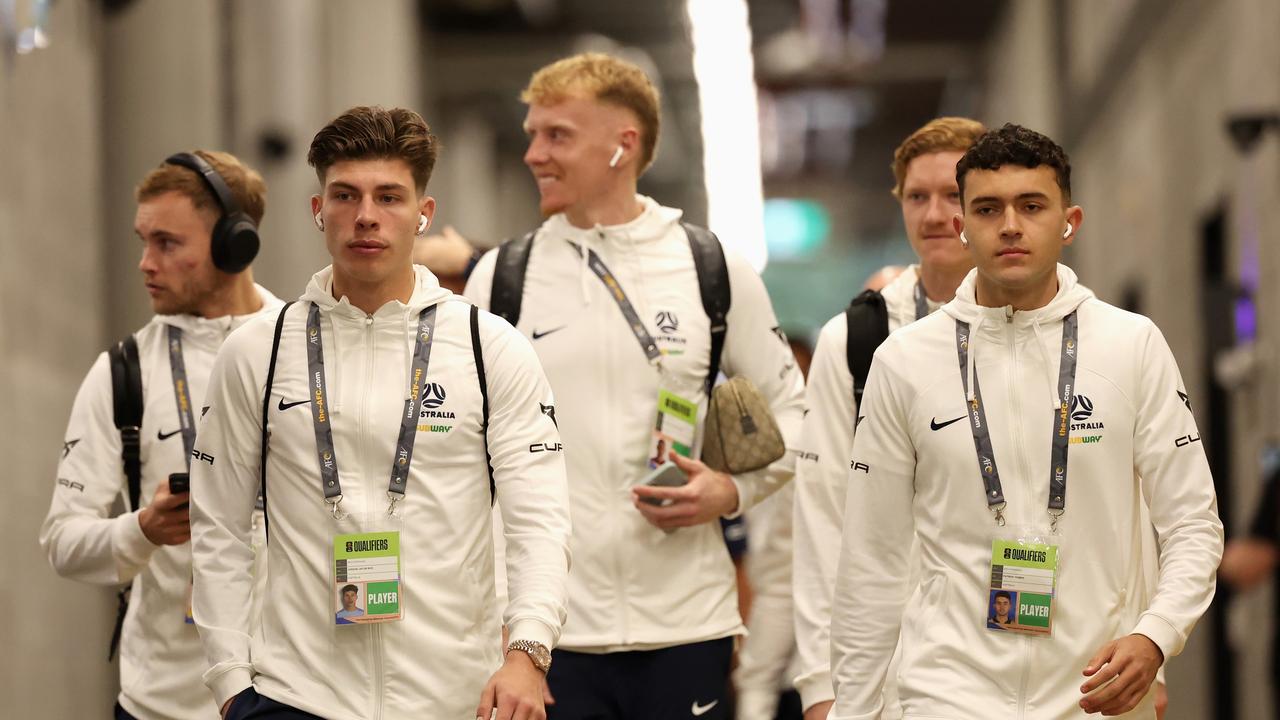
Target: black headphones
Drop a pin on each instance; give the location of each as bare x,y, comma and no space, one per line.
235,236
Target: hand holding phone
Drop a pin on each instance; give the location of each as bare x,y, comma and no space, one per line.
668,474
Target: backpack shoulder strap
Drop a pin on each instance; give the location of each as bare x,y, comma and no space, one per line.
126,393
867,321
507,290
266,407
713,283
484,394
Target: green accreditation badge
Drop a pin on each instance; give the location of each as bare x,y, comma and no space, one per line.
366,571
1023,580
677,419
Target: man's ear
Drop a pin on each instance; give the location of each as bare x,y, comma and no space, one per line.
957,222
1075,216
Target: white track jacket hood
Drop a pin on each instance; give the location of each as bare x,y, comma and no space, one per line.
435,661
160,656
633,586
1133,438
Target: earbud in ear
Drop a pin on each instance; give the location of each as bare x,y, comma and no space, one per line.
964,241
1067,234
423,224
319,222
617,155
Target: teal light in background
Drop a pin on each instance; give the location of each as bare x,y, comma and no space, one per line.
795,228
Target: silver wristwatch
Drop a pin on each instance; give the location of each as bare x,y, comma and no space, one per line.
536,651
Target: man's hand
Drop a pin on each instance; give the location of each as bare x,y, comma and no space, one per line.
1120,674
517,691
163,522
818,711
1162,700
705,497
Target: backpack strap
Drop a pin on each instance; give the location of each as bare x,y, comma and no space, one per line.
126,393
713,283
507,290
126,398
484,395
266,407
867,321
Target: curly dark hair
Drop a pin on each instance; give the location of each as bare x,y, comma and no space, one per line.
1016,145
376,133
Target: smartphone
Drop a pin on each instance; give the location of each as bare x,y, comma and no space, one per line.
668,474
179,483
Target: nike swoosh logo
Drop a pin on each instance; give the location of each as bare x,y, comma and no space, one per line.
935,425
537,335
165,435
285,406
699,710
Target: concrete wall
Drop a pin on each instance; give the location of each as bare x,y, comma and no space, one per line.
52,324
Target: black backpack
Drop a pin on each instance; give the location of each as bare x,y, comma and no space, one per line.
708,261
867,320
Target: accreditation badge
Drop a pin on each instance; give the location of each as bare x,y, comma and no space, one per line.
367,578
674,428
1024,575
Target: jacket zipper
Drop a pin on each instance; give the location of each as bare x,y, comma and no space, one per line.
624,618
1016,429
375,642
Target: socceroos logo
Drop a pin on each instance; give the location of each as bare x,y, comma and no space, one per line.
1082,420
667,322
433,396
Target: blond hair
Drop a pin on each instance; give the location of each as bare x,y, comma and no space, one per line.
246,185
605,79
944,134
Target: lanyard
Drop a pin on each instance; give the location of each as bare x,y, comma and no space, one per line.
647,344
1061,426
922,302
331,484
182,392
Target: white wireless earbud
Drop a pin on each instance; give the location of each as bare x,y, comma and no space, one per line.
1067,234
423,224
319,222
617,155
964,241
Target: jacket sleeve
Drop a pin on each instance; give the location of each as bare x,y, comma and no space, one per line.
224,486
80,540
822,473
532,489
872,578
1178,488
755,348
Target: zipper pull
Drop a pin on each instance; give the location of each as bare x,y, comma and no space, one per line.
1008,313
368,320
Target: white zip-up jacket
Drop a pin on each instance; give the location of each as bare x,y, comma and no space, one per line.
436,660
634,587
1133,438
160,655
822,473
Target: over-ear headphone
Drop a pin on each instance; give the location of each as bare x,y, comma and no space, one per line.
617,155
1067,234
235,238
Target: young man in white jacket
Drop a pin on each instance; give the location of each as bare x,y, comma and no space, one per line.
966,427
195,267
395,412
924,170
612,302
